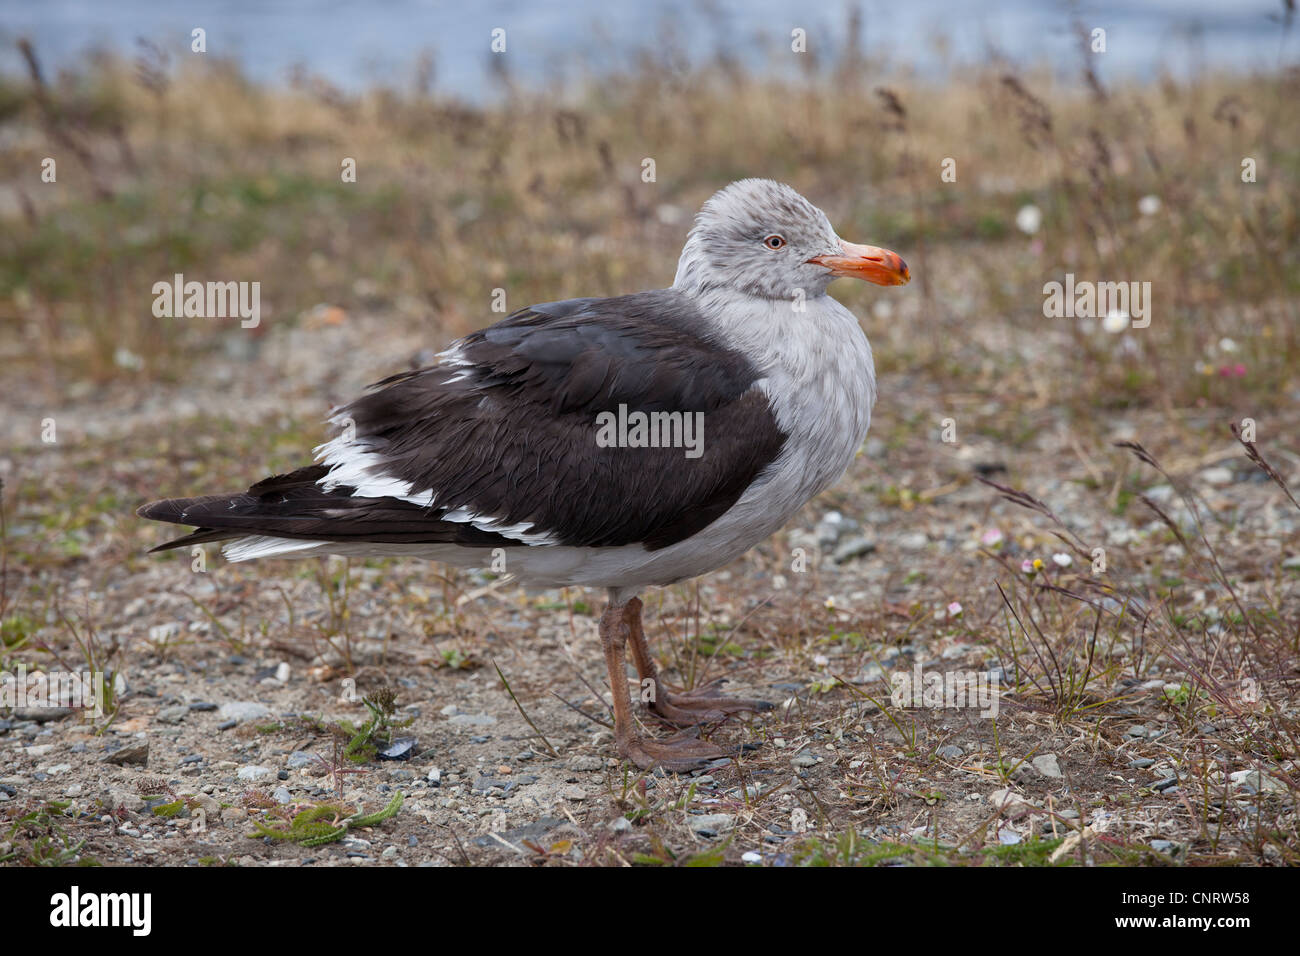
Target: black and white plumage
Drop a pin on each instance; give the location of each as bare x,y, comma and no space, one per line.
495,445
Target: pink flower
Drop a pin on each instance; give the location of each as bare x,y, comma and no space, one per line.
991,538
954,609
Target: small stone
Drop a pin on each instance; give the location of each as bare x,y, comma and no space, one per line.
950,752
1141,763
751,856
1218,475
472,720
913,541
43,714
173,715
804,759
1164,846
253,772
299,759
403,748
575,794
126,799
621,825
233,815
585,763
1165,783
137,755
242,711
711,824
451,710
1292,563
281,795
1048,766
1006,799
1256,781
1138,731
854,547
829,530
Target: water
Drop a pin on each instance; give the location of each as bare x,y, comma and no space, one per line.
355,43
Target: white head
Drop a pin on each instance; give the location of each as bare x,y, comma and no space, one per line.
761,238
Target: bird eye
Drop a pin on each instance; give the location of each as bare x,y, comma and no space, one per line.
774,242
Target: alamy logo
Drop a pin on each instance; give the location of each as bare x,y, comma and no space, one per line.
1084,299
208,300
74,909
651,430
938,690
83,691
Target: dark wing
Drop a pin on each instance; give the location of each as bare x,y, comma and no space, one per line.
501,436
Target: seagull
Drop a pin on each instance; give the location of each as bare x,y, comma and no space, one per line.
615,443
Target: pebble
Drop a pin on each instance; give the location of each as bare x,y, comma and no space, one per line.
913,541
1048,766
253,772
830,529
173,715
1256,781
401,749
751,856
950,752
1138,731
472,720
585,763
282,795
242,711
1164,846
1165,783
1006,799
299,759
137,755
711,824
804,759
1141,763
854,547
123,798
1218,475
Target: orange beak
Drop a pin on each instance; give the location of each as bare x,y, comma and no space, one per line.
867,262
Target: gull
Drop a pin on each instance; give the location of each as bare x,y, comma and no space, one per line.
616,443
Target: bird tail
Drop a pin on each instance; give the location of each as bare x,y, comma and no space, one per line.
295,513
283,506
